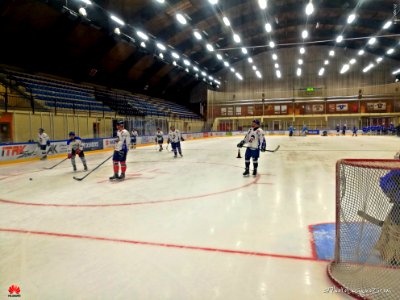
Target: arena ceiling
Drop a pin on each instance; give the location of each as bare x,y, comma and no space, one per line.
56,37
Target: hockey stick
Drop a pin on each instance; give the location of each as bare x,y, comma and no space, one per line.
80,179
276,149
57,164
369,218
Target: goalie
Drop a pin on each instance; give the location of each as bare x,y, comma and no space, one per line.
389,241
255,140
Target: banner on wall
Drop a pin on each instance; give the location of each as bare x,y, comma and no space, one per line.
342,107
284,109
376,106
30,150
331,107
92,144
223,111
318,108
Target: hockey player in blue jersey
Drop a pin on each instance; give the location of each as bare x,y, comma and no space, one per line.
75,147
255,141
291,130
355,129
304,130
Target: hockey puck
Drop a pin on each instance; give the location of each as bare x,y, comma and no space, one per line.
30,179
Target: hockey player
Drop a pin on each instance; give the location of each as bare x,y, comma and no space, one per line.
304,130
344,128
291,129
355,129
43,142
75,147
175,138
120,151
134,135
159,139
337,129
255,141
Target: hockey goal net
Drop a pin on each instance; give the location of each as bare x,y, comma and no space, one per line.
367,250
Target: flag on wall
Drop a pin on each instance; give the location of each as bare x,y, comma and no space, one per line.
342,107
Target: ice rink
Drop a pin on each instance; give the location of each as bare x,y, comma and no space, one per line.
184,228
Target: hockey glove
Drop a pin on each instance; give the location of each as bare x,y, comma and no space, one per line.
182,139
168,141
77,151
240,145
263,149
69,155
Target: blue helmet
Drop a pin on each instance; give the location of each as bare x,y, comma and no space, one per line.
390,185
120,123
71,133
257,122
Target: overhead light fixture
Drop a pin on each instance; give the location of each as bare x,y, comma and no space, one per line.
117,20
300,61
390,51
226,21
219,56
239,76
236,38
371,41
226,64
250,60
331,53
143,44
232,70
161,55
298,72
117,31
213,2
160,1
351,18
176,55
304,34
361,52
278,74
387,25
302,50
82,11
88,2
244,50
204,74
161,46
352,61
396,72
321,71
197,35
262,4
268,27
344,69
258,74
379,59
142,35
210,47
186,62
369,67
276,66
309,8
339,39
254,68
326,62
274,56
195,68
271,44
181,19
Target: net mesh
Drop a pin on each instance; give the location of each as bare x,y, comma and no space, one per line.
367,249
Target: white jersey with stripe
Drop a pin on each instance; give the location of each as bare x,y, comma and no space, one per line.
159,135
43,138
255,138
123,140
174,136
74,144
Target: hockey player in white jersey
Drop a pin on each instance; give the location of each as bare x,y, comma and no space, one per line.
75,147
120,151
159,139
255,141
43,142
134,135
175,138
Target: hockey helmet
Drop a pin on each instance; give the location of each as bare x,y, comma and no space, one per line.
120,123
256,122
71,133
390,185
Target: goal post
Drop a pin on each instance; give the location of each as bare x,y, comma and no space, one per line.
366,260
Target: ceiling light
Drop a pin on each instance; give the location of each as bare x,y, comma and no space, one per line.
262,4
379,59
181,19
298,72
143,44
258,74
213,2
396,72
88,2
309,8
326,62
117,20
239,76
233,70
219,56
161,55
161,46
204,74
344,69
331,53
244,50
250,60
351,18
268,27
361,52
276,66
271,44
197,35
371,41
254,68
369,67
302,50
210,47
304,34
117,31
339,39
278,74
226,64
186,62
352,61
160,1
300,61
274,56
321,71
174,54
390,51
196,69
226,21
174,63
82,11
142,35
236,38
387,25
